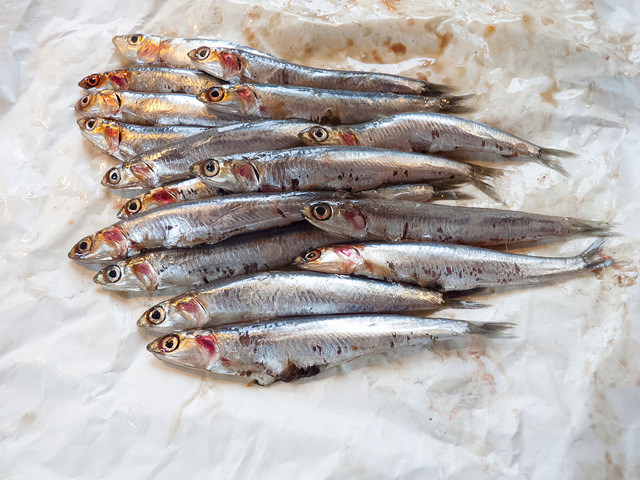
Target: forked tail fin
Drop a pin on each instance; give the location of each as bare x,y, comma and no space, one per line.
454,104
545,155
478,178
593,257
490,329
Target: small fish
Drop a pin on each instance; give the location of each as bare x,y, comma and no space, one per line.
126,140
319,105
335,168
393,221
192,267
171,162
238,66
447,267
193,223
168,51
151,80
149,108
293,348
433,133
266,295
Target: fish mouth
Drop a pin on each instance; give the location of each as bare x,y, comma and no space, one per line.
154,347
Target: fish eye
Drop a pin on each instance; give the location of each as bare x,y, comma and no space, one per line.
135,39
203,52
84,245
319,134
90,124
134,206
92,80
85,100
114,176
322,211
113,273
156,315
211,168
170,343
215,94
312,255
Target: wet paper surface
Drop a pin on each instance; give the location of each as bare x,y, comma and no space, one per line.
82,398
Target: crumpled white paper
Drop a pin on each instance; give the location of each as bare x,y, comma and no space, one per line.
81,398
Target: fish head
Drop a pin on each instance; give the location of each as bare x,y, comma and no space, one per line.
220,63
177,313
343,259
138,47
130,175
157,197
104,134
100,104
94,82
108,244
230,99
134,274
195,349
339,217
229,174
325,135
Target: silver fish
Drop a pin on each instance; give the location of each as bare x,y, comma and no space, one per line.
149,108
126,140
334,168
266,295
192,267
433,133
168,51
193,223
385,220
447,267
171,162
319,105
239,66
293,348
414,193
151,80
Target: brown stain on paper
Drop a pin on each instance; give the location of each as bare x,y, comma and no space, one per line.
548,95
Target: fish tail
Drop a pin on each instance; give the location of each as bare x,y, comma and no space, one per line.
545,155
436,89
478,177
455,104
593,228
450,193
490,329
593,257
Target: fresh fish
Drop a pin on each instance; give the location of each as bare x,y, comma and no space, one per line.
149,108
387,220
238,66
447,267
334,168
171,162
432,133
414,193
266,295
126,140
168,51
193,267
193,223
293,348
281,102
184,191
150,79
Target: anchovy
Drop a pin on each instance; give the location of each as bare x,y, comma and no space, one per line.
334,168
393,221
149,109
266,295
447,267
126,140
193,223
151,80
293,348
432,133
238,66
192,267
171,162
319,105
168,51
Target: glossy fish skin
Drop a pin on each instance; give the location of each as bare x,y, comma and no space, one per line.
394,221
331,168
447,267
171,162
149,108
126,140
293,348
150,80
192,223
168,51
431,133
333,107
266,295
192,267
237,66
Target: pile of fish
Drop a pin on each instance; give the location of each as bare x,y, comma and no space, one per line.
243,167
